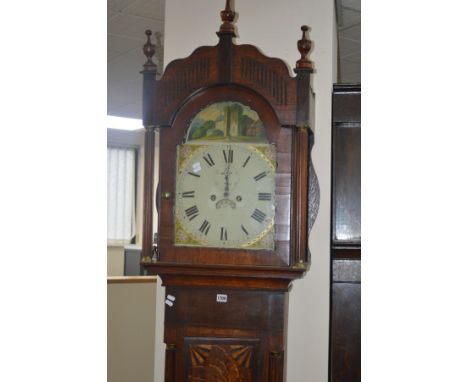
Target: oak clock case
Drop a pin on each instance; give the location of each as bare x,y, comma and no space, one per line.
233,204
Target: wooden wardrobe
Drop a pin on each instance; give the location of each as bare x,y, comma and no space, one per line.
345,292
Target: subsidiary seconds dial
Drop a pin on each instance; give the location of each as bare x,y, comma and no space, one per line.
225,196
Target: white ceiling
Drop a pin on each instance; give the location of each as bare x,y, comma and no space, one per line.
127,21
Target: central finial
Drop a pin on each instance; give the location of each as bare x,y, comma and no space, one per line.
227,16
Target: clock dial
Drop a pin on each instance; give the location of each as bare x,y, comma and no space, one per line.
225,195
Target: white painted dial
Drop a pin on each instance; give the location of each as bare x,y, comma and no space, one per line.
225,195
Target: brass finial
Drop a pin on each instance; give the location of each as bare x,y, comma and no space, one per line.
227,16
149,49
304,45
275,353
145,259
300,264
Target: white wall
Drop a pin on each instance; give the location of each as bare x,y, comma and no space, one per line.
115,261
274,26
130,330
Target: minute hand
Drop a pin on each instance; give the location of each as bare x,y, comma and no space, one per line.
226,182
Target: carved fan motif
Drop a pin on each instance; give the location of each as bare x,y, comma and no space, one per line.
217,363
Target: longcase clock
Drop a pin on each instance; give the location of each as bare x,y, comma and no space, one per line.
233,204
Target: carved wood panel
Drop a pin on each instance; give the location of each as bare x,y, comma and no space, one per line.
230,363
261,74
268,76
221,360
181,78
190,76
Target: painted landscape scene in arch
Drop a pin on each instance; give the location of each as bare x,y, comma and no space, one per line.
227,121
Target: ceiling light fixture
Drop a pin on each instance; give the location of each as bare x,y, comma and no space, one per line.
121,123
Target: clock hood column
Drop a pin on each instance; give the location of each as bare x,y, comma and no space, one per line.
149,86
301,152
